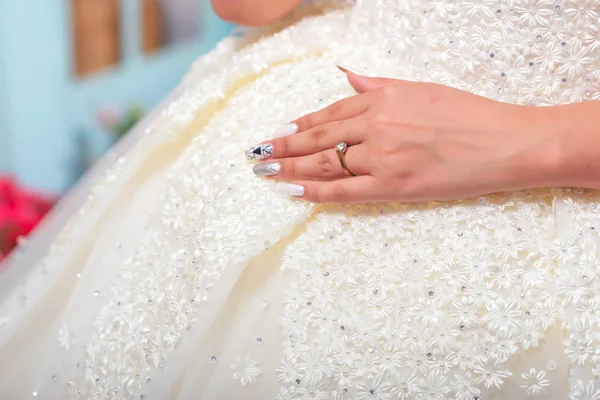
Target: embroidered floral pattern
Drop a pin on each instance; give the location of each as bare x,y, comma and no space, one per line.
535,383
245,370
441,314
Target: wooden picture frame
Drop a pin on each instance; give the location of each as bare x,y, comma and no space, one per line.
97,35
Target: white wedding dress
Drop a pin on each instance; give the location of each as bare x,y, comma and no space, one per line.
172,272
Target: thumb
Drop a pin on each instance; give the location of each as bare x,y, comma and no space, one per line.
363,84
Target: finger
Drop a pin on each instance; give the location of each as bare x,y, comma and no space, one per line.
321,138
363,84
325,165
347,108
359,189
320,166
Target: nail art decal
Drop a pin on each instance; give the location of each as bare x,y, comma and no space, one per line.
260,152
267,168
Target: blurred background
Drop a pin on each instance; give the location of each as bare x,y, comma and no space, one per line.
75,75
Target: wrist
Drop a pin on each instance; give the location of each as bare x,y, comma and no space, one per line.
537,156
576,133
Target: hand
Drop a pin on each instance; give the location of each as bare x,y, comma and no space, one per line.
409,142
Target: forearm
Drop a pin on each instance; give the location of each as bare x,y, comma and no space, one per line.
253,12
568,149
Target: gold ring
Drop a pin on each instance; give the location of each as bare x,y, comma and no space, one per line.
341,149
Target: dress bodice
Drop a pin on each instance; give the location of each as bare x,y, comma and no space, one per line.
538,52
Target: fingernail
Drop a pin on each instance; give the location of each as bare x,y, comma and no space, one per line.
267,168
290,189
260,152
286,130
345,69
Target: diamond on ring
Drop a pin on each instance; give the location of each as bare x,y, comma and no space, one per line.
340,150
341,146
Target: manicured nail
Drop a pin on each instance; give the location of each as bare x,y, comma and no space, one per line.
267,168
286,130
260,152
345,69
290,189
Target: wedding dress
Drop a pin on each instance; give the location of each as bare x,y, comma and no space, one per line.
172,272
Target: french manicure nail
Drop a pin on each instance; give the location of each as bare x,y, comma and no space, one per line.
290,189
260,152
286,130
267,168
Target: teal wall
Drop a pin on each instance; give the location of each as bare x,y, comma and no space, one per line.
43,107
4,143
36,70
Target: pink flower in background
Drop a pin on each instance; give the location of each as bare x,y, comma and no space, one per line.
20,211
119,121
109,117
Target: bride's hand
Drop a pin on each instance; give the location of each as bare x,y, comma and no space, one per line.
410,142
